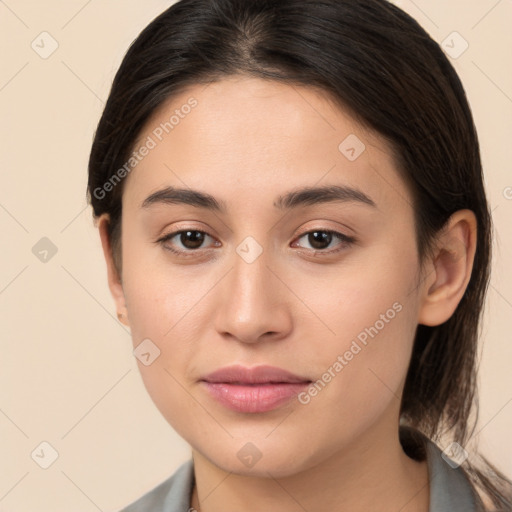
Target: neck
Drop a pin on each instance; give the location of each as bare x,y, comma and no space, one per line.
372,471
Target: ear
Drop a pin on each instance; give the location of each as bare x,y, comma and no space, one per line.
114,279
448,272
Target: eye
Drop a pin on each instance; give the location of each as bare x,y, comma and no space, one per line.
320,239
190,240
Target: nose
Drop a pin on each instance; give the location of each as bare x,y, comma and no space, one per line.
253,302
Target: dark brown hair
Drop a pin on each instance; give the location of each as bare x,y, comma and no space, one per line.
383,68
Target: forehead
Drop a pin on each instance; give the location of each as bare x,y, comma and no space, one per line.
247,138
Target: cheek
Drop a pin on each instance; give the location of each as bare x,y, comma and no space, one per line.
159,295
360,371
368,321
163,307
346,298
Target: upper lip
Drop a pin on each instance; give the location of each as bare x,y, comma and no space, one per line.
256,375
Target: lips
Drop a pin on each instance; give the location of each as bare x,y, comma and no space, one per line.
253,390
256,375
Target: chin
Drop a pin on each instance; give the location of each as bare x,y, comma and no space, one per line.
260,458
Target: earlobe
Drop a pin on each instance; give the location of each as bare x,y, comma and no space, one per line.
450,269
114,279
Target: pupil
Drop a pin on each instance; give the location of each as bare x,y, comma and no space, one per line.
196,240
323,238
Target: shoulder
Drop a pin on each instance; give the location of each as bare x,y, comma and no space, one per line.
451,489
172,495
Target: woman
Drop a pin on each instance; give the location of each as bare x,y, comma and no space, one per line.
291,206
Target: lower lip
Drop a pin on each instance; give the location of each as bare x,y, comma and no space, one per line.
254,398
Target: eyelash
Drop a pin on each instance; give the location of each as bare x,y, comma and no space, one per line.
347,241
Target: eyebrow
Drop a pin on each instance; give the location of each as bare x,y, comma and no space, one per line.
301,197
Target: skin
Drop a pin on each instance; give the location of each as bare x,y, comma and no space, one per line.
246,142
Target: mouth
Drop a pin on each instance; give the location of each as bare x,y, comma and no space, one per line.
253,390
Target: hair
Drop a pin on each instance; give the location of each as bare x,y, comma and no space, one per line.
382,67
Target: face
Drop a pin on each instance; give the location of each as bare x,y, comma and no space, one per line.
307,263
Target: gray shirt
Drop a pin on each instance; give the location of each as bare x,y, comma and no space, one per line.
450,490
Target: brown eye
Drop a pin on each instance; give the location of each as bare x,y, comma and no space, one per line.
192,239
184,241
320,239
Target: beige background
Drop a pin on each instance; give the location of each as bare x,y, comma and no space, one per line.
68,376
